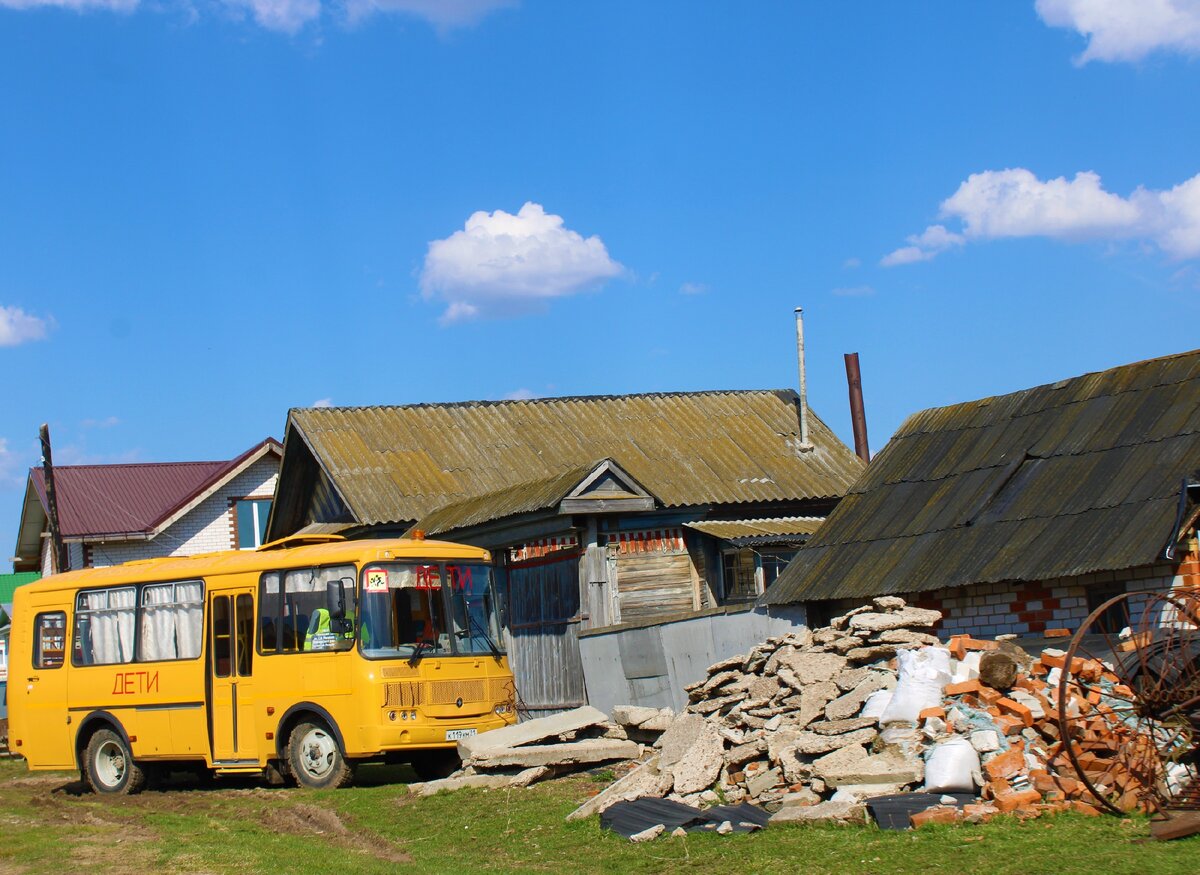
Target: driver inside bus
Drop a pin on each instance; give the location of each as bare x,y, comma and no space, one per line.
322,624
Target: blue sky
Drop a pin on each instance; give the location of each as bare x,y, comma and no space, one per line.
212,212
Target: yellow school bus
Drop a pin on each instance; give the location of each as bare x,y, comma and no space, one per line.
298,661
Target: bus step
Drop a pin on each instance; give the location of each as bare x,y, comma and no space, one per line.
233,769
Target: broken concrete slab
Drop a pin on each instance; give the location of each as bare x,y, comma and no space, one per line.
851,703
889,603
838,727
884,768
760,782
905,618
531,731
485,782
813,700
872,653
814,668
660,722
632,715
649,834
645,780
596,750
905,636
679,737
701,763
812,744
822,812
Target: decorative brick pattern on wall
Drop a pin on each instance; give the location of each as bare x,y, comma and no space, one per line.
1032,607
206,528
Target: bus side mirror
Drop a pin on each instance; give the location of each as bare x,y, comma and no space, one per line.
335,599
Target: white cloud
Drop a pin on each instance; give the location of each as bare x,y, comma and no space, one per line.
1015,203
442,14
520,395
286,16
693,288
1127,30
503,265
78,5
290,16
323,402
17,327
923,246
852,263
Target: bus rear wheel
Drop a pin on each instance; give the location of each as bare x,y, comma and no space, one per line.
314,758
108,765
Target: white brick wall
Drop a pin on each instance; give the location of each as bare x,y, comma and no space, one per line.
206,528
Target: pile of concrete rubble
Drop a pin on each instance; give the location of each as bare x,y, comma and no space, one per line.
802,725
812,726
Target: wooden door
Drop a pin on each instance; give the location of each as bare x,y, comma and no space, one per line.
544,620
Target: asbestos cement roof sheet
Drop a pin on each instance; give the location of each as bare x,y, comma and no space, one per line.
402,462
728,530
1073,477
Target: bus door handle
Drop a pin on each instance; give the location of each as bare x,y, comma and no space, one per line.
33,680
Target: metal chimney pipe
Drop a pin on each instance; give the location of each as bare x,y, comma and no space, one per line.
858,416
805,444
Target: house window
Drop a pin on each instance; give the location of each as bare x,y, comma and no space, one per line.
741,580
773,564
251,520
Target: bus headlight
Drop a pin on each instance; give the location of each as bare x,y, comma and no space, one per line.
502,708
391,715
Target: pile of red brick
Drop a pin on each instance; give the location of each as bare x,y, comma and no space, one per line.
1026,769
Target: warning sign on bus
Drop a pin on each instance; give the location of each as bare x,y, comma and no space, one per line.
376,580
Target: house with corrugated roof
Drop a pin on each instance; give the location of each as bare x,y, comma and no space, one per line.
110,514
1021,512
600,510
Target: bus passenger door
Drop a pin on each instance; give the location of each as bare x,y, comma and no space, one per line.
231,673
44,730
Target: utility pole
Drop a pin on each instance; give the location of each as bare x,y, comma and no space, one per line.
61,561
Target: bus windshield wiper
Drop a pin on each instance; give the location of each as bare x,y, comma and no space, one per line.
420,647
471,621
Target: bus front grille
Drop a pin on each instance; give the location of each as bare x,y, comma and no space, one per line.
402,695
449,692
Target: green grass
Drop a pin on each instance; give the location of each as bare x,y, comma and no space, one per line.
51,826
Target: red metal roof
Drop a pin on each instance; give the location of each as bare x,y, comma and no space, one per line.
98,500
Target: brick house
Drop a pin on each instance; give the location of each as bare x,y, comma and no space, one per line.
111,514
1021,512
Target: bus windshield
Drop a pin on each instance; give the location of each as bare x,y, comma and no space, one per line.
415,609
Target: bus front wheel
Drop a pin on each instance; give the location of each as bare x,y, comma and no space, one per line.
315,759
108,765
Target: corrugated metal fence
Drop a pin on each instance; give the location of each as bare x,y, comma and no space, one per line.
650,663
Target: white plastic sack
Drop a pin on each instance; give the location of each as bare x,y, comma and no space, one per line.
876,704
952,767
923,674
965,669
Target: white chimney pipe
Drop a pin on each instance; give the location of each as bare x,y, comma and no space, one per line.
805,444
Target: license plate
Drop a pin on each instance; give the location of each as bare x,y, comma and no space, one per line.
456,734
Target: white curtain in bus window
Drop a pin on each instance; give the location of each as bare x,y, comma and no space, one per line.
304,603
104,624
171,621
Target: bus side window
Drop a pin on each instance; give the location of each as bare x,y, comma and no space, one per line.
49,639
221,640
244,612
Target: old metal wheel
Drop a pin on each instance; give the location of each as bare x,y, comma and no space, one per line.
1129,702
108,765
314,758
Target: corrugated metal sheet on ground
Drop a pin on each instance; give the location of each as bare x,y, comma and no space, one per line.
1077,476
401,463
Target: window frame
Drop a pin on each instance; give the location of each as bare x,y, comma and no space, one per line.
137,621
260,600
237,528
39,651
